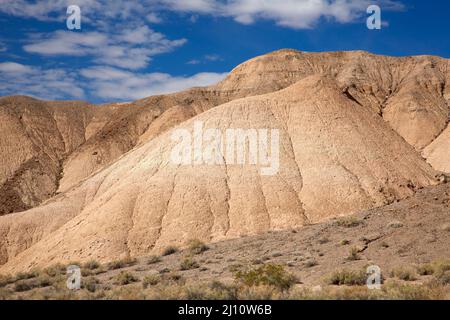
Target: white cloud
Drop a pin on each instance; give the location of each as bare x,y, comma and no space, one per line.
297,14
96,83
17,78
131,48
112,83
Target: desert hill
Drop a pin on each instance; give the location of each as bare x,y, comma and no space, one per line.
411,93
336,158
352,127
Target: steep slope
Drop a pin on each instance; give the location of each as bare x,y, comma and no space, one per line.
35,138
412,94
438,152
136,123
336,158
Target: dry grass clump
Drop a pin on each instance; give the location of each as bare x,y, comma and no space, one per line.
188,264
196,246
405,274
347,278
151,280
154,260
6,280
124,278
32,283
169,250
353,254
348,222
91,265
90,284
267,275
123,263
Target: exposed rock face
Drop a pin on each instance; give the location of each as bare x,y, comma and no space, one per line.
352,126
335,158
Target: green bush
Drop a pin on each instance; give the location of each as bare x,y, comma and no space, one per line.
267,275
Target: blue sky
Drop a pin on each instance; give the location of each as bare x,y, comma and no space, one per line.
128,50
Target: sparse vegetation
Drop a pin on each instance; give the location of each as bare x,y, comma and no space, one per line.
119,264
267,275
32,283
404,274
124,278
345,242
348,278
90,284
169,251
151,280
196,246
188,263
348,222
154,260
91,265
353,255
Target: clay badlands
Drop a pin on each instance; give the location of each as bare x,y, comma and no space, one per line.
357,131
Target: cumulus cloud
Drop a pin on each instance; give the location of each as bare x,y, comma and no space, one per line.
101,83
130,48
113,83
17,78
297,14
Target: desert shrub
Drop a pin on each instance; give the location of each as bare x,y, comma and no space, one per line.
269,275
154,260
124,278
91,265
404,274
348,222
345,242
348,278
55,270
5,280
353,254
442,277
442,266
32,283
169,250
188,264
90,284
151,280
119,264
27,275
197,247
425,270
